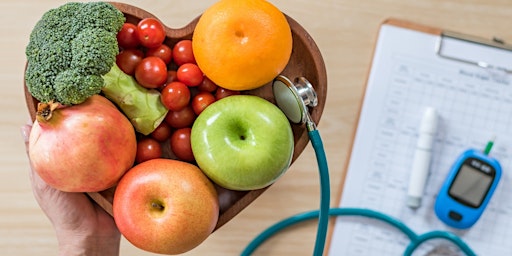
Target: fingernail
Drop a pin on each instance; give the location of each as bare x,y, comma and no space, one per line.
25,132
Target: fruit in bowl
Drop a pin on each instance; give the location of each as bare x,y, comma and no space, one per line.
242,142
305,60
252,40
79,133
165,206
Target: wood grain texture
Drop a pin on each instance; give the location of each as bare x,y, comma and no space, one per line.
345,32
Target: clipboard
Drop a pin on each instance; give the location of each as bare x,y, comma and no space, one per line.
472,59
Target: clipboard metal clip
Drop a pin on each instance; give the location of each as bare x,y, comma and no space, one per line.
496,43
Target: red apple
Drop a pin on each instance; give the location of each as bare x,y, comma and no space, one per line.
165,206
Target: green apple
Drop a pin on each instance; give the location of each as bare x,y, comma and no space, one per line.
242,142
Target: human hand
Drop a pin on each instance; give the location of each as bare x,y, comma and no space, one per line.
81,226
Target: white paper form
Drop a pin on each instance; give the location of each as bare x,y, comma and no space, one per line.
474,105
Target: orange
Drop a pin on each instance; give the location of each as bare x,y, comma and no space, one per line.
242,44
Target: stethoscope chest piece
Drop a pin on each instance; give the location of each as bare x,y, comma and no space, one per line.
294,98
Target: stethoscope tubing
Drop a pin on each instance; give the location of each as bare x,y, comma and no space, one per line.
325,211
325,193
416,240
322,214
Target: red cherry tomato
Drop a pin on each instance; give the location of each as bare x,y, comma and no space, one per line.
175,96
151,72
207,85
148,148
223,93
162,132
171,76
128,59
163,52
151,32
180,144
181,118
127,37
201,101
190,74
182,52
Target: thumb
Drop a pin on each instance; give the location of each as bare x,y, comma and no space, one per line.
25,133
39,187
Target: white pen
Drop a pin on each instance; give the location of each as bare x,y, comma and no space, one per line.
422,156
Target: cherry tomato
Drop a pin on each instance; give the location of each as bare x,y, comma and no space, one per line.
223,93
151,32
181,118
148,148
151,72
162,132
127,37
163,52
190,74
175,96
171,76
128,59
180,144
182,52
201,101
207,85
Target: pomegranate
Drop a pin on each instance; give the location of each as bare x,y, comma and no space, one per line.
82,148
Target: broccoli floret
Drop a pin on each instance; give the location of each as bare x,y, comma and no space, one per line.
72,44
100,15
73,87
92,57
59,21
37,74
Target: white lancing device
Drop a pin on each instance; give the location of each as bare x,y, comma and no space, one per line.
422,158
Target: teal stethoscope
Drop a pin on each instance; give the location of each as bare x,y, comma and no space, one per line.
294,99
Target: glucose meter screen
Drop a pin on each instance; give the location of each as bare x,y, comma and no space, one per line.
470,186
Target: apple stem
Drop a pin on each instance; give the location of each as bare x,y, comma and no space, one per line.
157,206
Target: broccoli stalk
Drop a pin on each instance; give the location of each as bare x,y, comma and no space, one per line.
142,106
71,56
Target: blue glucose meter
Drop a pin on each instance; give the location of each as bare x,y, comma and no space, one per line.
468,188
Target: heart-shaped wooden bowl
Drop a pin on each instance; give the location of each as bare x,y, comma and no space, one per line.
306,60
